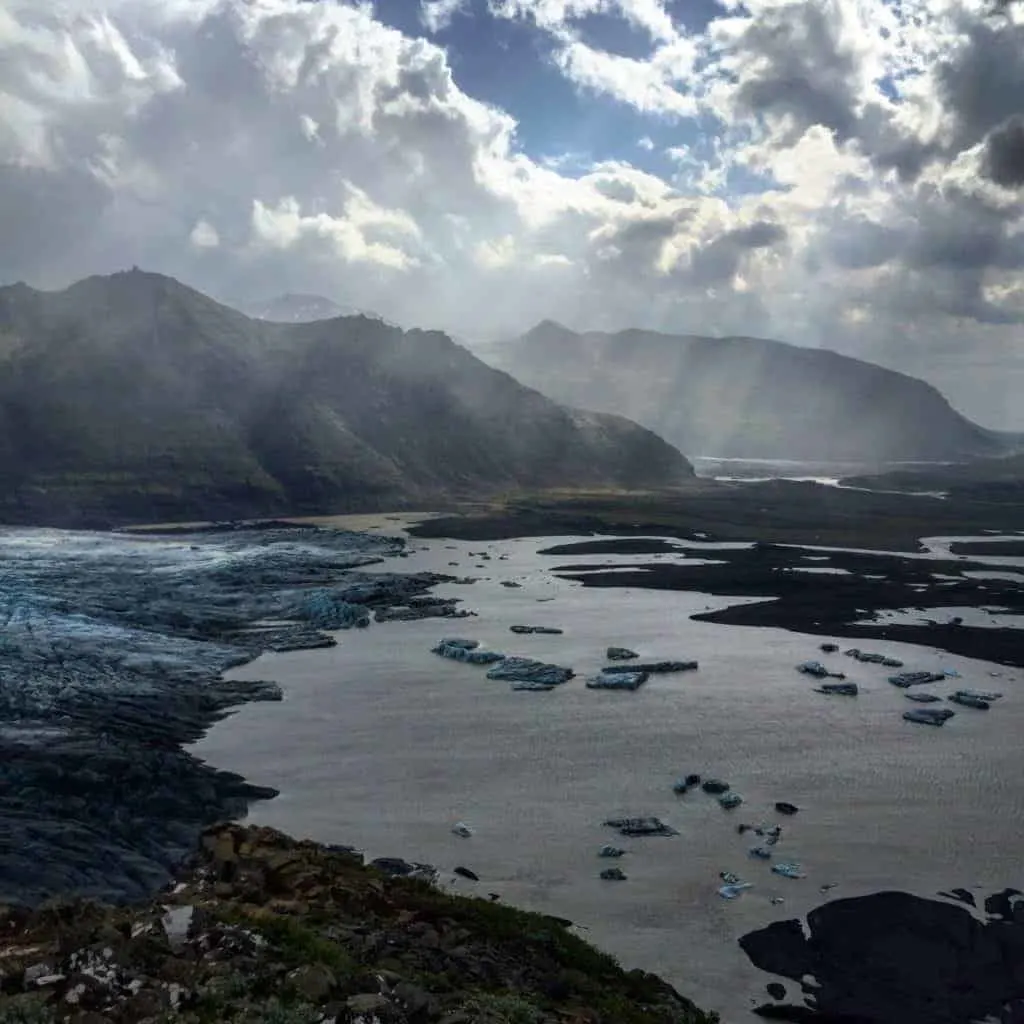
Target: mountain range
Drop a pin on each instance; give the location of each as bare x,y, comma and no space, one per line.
746,397
132,397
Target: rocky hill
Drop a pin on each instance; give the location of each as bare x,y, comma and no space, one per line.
265,930
746,397
133,397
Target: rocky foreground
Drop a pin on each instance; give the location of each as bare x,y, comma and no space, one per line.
112,651
263,929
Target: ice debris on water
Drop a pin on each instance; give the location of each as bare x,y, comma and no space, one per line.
617,681
730,892
788,869
928,716
646,826
968,700
906,679
460,828
839,689
620,654
467,651
522,670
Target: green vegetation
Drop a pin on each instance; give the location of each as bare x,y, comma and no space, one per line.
283,932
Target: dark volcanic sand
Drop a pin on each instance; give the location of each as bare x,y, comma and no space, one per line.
893,958
1009,548
779,511
829,603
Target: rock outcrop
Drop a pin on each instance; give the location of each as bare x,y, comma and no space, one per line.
262,929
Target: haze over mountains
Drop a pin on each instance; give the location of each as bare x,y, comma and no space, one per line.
300,308
747,397
134,397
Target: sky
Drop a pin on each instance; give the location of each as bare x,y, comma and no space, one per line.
838,173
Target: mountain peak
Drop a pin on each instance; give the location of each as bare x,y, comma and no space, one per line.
132,397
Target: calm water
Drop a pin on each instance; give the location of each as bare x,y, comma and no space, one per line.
383,745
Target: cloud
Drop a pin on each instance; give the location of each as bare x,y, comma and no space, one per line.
437,15
204,235
837,172
1004,153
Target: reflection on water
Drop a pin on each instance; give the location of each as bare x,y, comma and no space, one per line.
381,744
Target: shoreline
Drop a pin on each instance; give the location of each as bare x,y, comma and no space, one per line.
120,645
535,774
440,579
776,512
830,593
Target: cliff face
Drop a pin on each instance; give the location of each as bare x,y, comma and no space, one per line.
746,397
132,397
262,929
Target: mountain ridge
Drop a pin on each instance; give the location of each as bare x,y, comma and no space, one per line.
745,397
133,397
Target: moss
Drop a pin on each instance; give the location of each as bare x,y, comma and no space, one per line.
27,1010
296,942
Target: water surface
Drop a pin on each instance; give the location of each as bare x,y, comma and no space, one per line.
383,745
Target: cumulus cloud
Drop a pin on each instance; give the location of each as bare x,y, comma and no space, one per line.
846,172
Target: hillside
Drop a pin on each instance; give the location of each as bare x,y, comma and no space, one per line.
746,397
133,398
266,930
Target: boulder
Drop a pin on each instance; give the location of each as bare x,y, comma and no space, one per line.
613,875
783,807
923,698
